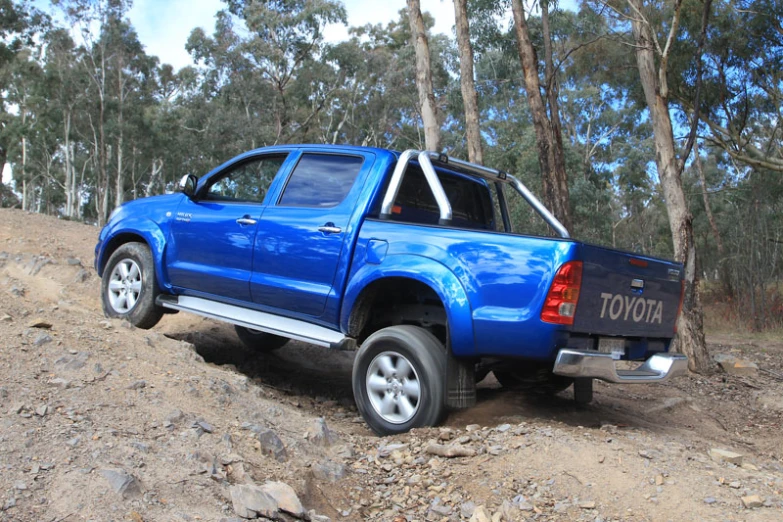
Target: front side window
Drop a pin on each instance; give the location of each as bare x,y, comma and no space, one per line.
321,180
248,181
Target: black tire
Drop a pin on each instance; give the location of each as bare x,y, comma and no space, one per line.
426,356
258,340
538,381
141,311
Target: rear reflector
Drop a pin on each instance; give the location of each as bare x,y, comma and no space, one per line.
638,262
560,304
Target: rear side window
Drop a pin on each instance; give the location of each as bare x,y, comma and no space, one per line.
321,180
471,201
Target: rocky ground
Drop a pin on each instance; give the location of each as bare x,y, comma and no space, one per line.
100,421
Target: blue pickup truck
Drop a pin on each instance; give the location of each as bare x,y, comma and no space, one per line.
408,258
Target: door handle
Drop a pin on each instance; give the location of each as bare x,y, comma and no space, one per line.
329,228
247,220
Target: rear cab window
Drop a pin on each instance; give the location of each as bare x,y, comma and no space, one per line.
321,180
471,200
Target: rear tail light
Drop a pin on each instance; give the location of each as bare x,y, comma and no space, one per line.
679,308
560,304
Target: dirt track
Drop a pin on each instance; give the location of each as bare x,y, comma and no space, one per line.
87,395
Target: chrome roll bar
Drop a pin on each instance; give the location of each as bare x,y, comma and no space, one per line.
428,160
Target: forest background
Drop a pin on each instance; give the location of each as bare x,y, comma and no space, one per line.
89,120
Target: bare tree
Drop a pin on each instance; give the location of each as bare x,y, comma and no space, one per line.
550,152
469,95
429,109
690,330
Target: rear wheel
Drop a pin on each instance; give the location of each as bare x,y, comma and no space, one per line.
128,287
258,340
399,379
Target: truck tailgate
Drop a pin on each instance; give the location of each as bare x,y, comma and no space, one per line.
624,294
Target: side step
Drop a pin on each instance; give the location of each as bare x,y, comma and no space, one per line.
270,323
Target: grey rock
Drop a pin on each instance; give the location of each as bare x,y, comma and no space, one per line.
6,318
322,435
72,261
11,502
739,367
503,428
21,486
466,509
123,483
315,517
710,500
140,446
271,444
249,501
42,339
73,362
60,382
138,385
328,470
441,510
175,417
722,455
82,276
203,425
42,410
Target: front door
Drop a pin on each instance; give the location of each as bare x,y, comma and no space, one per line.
211,250
301,238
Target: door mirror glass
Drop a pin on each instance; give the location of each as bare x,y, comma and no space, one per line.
188,185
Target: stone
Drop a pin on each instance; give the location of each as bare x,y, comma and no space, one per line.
73,362
42,410
328,470
175,417
42,339
735,484
82,276
271,444
249,501
138,385
315,517
659,480
739,367
11,502
286,498
466,509
722,455
646,454
440,509
588,504
770,401
204,426
710,500
123,483
752,501
40,323
60,382
450,451
322,435
6,318
472,427
481,514
72,261
503,428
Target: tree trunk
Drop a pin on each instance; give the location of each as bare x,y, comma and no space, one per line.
68,166
469,95
552,89
554,197
429,109
690,330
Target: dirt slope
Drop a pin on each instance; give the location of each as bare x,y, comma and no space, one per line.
100,421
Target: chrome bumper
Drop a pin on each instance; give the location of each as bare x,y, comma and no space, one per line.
584,364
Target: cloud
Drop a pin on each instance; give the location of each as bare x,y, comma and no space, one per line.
164,27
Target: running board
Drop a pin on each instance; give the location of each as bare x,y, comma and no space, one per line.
270,323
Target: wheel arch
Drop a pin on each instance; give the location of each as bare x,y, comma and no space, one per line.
419,273
141,231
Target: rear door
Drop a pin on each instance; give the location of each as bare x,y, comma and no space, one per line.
212,236
623,294
301,237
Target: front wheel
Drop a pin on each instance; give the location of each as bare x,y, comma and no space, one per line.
128,287
399,379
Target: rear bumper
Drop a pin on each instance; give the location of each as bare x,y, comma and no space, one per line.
588,364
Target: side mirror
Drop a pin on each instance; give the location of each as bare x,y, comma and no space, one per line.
188,185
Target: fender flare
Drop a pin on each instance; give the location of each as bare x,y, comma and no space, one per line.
429,272
146,229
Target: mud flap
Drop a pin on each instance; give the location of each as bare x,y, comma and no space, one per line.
460,383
